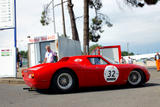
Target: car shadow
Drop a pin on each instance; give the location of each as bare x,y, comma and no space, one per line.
96,89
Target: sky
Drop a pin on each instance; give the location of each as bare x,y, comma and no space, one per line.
137,27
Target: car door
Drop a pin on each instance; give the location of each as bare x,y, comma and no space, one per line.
100,72
93,71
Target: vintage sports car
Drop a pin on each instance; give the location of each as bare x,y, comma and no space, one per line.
83,71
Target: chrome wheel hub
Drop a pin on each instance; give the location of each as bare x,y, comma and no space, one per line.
64,81
134,78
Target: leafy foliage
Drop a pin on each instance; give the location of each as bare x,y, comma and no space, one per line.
131,2
95,4
151,2
91,48
125,53
138,3
98,21
45,18
24,54
95,29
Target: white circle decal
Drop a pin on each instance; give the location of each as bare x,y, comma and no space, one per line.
111,73
78,60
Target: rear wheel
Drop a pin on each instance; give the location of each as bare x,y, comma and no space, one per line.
135,78
63,81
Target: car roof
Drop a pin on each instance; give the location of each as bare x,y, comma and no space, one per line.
77,57
84,56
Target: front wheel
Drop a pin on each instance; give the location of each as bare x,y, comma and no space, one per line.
63,81
135,78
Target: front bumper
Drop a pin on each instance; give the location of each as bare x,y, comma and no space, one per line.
37,84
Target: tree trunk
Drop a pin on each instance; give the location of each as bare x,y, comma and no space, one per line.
73,23
86,28
63,20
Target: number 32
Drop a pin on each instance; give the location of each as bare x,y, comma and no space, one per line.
111,73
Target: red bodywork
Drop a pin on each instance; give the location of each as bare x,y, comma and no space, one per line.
40,76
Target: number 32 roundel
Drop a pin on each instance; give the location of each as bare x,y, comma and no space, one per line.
111,73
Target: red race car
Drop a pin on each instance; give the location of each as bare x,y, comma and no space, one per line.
83,71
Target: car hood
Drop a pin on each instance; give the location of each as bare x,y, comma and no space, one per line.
41,66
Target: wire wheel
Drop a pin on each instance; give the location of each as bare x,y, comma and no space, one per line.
135,78
64,81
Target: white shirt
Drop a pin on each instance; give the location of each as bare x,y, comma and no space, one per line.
49,56
130,61
157,57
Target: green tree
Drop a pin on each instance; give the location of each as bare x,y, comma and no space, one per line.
93,31
24,54
45,20
98,21
125,53
91,48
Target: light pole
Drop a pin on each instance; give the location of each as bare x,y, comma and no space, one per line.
52,2
54,20
63,17
128,48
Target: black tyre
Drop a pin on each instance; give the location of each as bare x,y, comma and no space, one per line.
63,81
136,78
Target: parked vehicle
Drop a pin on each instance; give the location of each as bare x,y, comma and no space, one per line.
83,71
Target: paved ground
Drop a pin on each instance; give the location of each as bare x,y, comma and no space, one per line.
116,96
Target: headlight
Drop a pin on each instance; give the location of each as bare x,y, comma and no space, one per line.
31,76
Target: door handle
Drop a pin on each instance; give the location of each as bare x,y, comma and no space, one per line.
97,67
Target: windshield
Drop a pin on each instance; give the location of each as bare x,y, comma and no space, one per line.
110,60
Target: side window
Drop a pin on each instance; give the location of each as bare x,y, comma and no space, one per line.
97,61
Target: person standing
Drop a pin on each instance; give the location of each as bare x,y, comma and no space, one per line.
20,62
49,56
130,61
17,58
55,57
122,61
157,59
